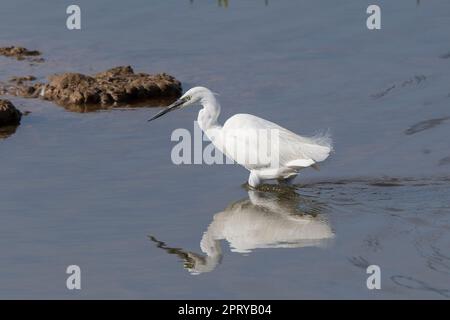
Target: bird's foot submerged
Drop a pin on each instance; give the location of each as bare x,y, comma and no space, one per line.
266,187
257,181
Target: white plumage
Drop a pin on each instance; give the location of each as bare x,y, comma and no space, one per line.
266,149
263,220
294,150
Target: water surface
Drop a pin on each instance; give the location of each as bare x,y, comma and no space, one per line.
99,189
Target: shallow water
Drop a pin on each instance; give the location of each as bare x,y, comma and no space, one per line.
99,189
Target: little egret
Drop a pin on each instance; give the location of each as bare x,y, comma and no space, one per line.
281,158
263,220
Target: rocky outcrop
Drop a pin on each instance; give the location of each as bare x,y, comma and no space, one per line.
116,86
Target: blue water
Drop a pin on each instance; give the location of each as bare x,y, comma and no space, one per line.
90,188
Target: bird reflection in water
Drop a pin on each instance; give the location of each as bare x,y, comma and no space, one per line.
263,220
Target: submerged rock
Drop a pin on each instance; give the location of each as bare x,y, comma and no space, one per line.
22,79
20,53
9,115
116,86
7,131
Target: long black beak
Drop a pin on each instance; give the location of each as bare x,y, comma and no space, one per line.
174,106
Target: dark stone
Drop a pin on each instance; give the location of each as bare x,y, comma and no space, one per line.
9,115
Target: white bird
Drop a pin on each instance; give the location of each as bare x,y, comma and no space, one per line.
263,220
268,151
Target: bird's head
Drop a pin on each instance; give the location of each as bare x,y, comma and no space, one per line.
192,96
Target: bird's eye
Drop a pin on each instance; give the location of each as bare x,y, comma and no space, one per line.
188,98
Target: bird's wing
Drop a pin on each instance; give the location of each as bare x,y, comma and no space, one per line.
293,150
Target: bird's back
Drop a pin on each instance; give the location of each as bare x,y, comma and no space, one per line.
292,148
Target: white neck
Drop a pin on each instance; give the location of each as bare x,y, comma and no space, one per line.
208,115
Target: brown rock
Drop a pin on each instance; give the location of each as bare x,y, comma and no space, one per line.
116,86
20,53
9,115
69,88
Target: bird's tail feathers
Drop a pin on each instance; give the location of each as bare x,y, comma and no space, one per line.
299,163
320,146
323,139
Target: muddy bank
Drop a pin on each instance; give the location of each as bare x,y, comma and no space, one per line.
114,87
21,53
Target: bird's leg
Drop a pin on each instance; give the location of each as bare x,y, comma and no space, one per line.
253,180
